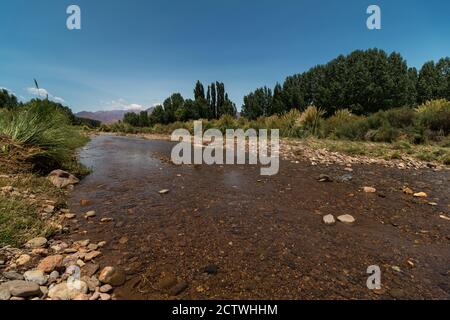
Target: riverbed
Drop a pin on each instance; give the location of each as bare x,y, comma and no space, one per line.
226,232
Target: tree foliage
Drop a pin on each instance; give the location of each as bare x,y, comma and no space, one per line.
363,82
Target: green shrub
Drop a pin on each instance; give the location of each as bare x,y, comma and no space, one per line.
340,117
401,117
435,115
355,129
45,127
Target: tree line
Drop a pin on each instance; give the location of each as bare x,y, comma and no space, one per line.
210,104
363,82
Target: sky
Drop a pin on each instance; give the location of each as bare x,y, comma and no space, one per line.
133,54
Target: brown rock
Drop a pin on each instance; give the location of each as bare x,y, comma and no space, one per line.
85,202
89,269
50,263
92,255
178,288
167,281
112,276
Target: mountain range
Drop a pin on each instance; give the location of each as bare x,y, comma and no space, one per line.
108,116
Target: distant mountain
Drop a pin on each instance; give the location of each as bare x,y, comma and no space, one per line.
108,116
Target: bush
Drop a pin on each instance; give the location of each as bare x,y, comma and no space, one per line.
44,127
340,117
401,117
435,115
355,128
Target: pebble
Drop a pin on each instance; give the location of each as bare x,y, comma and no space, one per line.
23,259
112,276
105,220
329,219
92,246
89,269
36,276
49,209
4,294
20,288
420,195
369,190
90,214
92,255
68,290
164,191
12,275
50,263
38,242
53,277
324,178
407,190
101,244
396,268
105,296
346,218
106,288
70,216
85,202
95,296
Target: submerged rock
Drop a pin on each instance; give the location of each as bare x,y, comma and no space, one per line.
347,219
112,276
329,219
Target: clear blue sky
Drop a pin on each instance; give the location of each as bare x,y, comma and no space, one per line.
141,51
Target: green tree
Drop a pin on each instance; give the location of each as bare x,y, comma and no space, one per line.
171,105
7,100
158,115
258,103
143,119
199,91
131,118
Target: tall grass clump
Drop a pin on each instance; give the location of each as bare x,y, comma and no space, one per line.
45,128
289,124
311,119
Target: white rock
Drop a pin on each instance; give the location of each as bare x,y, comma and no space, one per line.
346,218
4,294
62,179
68,290
36,276
329,219
38,242
90,214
